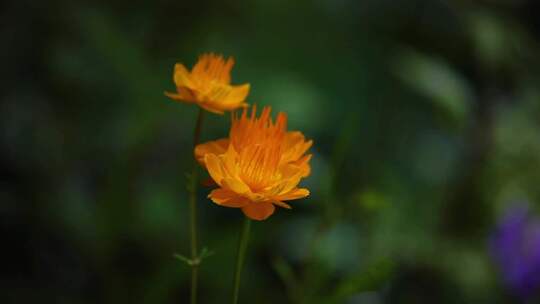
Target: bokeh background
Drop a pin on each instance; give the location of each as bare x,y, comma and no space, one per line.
425,116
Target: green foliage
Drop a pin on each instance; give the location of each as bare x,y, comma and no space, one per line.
424,116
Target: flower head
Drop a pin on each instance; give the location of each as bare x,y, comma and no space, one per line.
260,165
516,249
209,85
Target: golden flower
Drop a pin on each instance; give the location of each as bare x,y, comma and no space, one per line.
258,166
209,85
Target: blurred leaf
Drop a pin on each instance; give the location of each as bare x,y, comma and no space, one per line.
489,37
371,200
339,248
286,273
371,278
436,80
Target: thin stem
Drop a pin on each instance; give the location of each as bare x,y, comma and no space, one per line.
193,211
240,257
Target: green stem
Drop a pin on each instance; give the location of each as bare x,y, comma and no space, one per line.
193,211
240,257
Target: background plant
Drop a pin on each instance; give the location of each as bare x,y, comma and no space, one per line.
425,114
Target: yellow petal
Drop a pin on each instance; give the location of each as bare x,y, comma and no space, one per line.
293,194
303,163
293,138
282,204
213,67
184,95
220,97
214,167
224,75
216,147
229,160
236,96
288,183
235,185
182,77
217,94
290,169
211,108
258,211
227,198
295,146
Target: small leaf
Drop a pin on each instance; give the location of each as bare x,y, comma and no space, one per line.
183,258
205,253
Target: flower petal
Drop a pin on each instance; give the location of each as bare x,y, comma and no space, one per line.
223,97
227,198
213,67
216,147
235,185
236,96
258,211
184,94
295,146
182,77
229,160
214,167
282,204
303,163
286,185
293,194
217,94
211,108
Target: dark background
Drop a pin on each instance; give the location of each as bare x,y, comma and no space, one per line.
425,116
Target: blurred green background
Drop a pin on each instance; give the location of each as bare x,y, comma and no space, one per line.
425,116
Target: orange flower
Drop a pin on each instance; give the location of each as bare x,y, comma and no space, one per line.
209,85
258,166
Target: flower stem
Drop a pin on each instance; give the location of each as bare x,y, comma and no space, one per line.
240,257
193,211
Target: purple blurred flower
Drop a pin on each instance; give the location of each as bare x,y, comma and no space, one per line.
516,249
